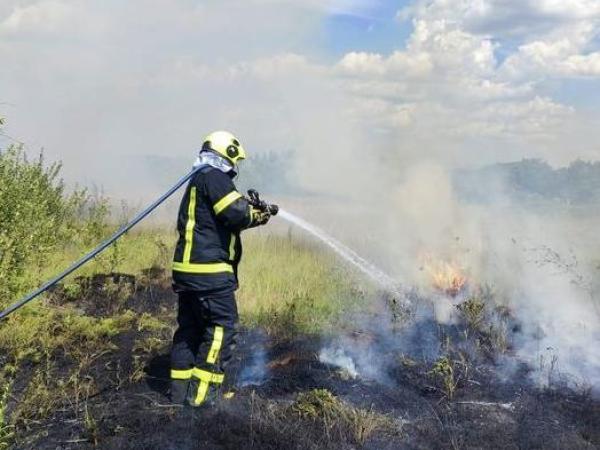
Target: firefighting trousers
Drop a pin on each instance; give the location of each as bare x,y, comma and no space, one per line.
202,346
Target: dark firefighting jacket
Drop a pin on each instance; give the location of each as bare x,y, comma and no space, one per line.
211,217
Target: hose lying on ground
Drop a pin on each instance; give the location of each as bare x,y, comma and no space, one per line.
99,249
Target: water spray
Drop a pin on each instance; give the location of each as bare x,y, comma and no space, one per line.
377,275
381,278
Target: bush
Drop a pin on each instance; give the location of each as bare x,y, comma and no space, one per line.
37,216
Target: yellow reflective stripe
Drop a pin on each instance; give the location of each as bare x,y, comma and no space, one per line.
202,391
202,268
181,374
208,377
205,378
215,348
222,204
232,247
189,227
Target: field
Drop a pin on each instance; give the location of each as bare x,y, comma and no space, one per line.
325,360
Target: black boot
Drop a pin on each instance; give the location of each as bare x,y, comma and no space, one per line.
205,388
179,391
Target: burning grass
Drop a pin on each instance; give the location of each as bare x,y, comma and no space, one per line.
92,356
447,277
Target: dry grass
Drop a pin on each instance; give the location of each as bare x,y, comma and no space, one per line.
340,419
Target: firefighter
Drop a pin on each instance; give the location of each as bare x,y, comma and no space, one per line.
211,216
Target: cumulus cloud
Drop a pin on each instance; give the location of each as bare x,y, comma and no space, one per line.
102,84
553,36
449,81
505,18
450,78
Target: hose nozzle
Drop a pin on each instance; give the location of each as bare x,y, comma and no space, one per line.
256,202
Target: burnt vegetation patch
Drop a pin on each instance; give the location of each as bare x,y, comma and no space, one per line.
436,386
87,367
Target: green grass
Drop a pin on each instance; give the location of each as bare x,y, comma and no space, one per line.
293,285
284,282
289,286
132,254
48,348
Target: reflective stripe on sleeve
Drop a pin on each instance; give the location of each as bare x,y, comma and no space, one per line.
222,204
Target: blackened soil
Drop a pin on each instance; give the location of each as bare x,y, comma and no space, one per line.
138,415
104,295
124,413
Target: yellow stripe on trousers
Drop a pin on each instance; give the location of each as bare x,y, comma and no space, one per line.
181,374
208,377
215,348
205,378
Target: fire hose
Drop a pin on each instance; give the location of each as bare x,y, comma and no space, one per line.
254,200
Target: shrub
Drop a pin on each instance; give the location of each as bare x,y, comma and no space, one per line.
37,216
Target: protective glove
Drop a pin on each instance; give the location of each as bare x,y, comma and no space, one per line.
259,217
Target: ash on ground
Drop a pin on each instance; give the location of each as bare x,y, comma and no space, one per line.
421,385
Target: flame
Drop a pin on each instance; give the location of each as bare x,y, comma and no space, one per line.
445,276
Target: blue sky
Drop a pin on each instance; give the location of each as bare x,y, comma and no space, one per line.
378,30
583,93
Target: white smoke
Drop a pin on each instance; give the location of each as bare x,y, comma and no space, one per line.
254,370
338,357
357,357
539,265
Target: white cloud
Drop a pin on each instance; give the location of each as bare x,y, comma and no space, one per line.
453,81
559,54
554,34
584,65
91,80
505,18
450,78
45,16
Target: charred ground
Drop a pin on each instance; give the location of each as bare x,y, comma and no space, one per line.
446,391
